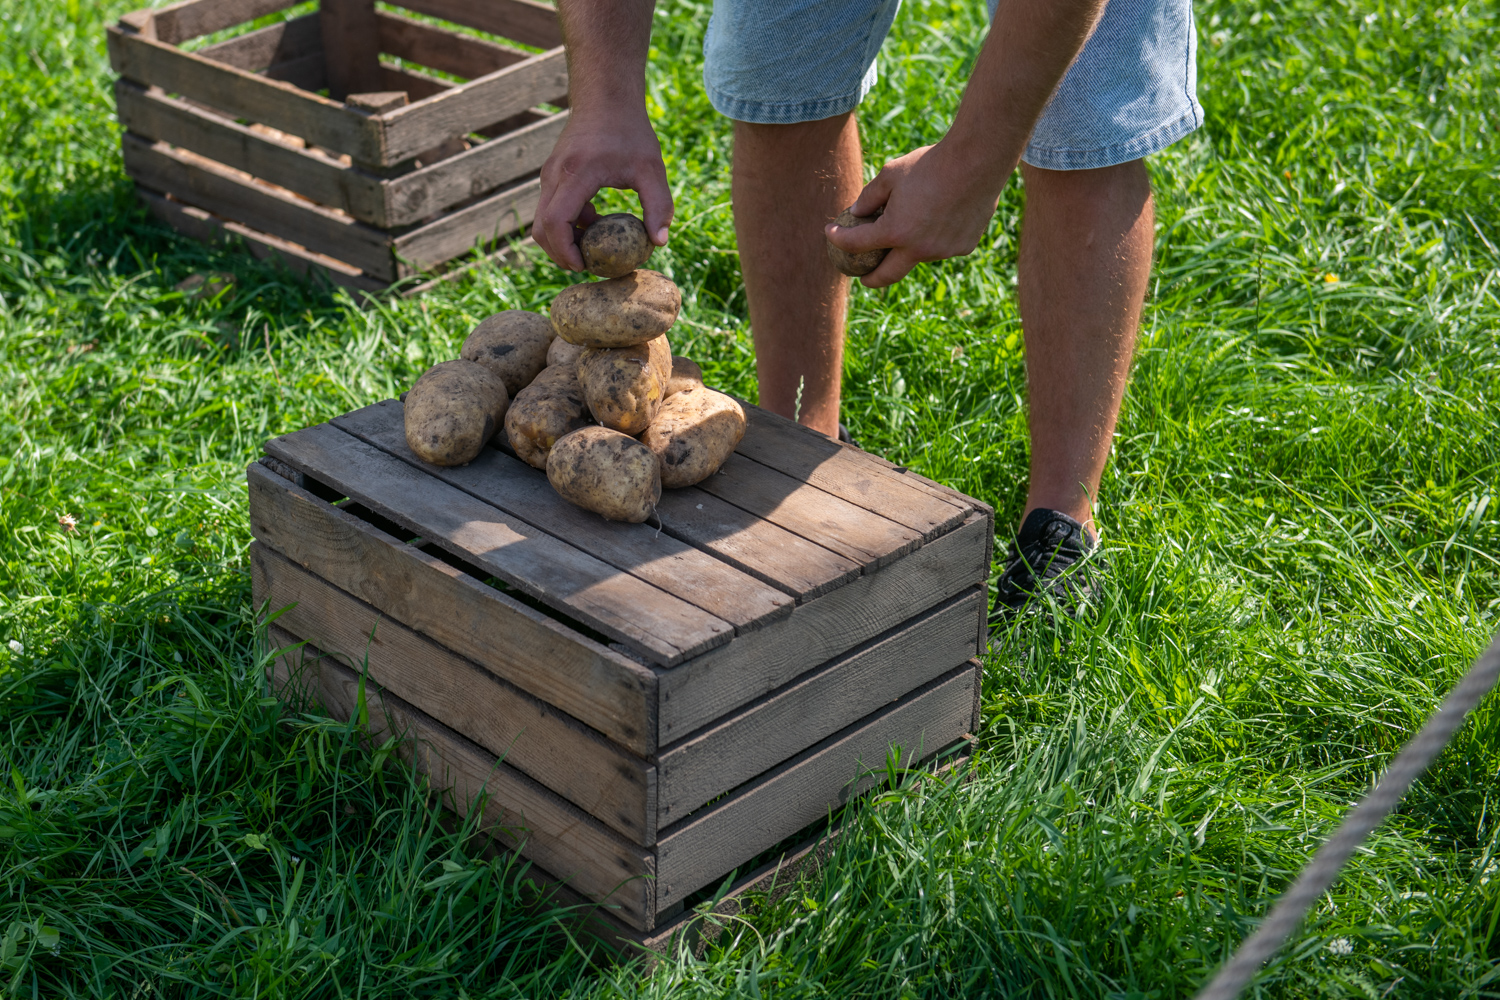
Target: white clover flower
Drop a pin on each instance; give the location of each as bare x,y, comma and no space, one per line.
16,647
1341,946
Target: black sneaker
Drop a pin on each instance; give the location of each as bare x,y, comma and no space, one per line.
1048,557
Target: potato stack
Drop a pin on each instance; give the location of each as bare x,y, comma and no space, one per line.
591,394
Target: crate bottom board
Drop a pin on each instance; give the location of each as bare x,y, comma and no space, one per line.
600,864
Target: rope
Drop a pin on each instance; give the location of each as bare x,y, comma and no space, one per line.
1318,876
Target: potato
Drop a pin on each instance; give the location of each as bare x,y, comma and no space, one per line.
856,264
606,472
694,432
685,375
563,353
624,386
453,410
550,407
512,344
615,245
619,312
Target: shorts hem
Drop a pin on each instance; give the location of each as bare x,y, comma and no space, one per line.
1144,145
788,113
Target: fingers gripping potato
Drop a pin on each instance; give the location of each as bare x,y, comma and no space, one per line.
563,353
685,375
513,344
696,430
547,409
855,264
624,386
453,410
606,472
615,245
620,312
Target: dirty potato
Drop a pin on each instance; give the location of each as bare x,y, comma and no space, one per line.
606,472
563,353
615,245
453,410
693,433
685,375
547,409
619,312
856,264
513,344
624,386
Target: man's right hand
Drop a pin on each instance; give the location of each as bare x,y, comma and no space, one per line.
600,150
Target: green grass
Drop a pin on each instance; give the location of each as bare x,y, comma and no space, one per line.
1301,515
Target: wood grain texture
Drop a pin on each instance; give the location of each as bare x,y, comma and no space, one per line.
275,43
423,192
449,51
209,185
589,771
518,811
506,211
609,692
806,788
351,46
197,224
329,182
470,106
709,686
236,92
180,22
853,532
661,627
767,732
416,85
638,549
522,20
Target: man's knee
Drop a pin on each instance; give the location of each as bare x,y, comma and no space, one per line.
1127,182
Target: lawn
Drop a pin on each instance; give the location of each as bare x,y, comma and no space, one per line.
1302,520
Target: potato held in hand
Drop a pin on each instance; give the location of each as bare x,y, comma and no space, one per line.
547,409
453,410
620,312
685,375
615,245
696,430
856,265
512,344
624,386
606,472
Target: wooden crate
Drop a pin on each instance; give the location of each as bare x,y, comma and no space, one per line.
394,172
653,705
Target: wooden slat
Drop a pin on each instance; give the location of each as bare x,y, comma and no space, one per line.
518,811
449,51
852,532
423,192
526,22
638,549
804,789
157,116
418,86
306,73
609,692
576,763
661,627
736,749
712,685
506,211
275,43
351,46
211,186
180,22
473,105
245,95
804,454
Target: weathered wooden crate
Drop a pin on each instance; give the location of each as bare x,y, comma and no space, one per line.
649,707
393,172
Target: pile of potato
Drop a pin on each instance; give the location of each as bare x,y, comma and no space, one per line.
591,394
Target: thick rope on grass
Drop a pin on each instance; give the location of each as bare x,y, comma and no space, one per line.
1361,820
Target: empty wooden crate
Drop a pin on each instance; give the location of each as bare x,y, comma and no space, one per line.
365,144
649,706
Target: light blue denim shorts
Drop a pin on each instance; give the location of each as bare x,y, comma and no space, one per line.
1131,92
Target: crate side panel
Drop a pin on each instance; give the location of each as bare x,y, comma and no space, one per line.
462,55
522,20
182,22
502,213
276,43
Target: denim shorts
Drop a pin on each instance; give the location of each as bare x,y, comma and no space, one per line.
1131,92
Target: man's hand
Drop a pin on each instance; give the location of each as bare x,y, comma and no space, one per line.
936,207
617,150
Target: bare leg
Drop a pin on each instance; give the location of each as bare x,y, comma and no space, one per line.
1085,259
789,181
